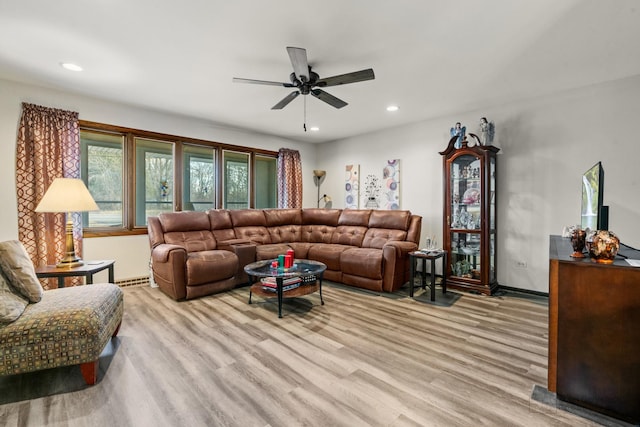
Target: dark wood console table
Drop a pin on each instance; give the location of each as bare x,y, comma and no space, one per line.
594,332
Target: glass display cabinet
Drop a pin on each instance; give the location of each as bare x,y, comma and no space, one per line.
469,233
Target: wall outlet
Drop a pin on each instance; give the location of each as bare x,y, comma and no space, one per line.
521,264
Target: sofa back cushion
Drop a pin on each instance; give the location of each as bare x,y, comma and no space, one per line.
221,225
378,237
315,216
352,226
356,217
397,220
318,225
385,226
191,230
275,217
284,225
250,224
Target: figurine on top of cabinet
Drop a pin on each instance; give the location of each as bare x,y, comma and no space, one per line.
459,131
486,131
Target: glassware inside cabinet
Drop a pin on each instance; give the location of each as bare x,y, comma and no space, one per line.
465,250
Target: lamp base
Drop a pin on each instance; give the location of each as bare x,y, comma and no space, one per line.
64,263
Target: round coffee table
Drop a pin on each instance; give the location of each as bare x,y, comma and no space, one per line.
309,271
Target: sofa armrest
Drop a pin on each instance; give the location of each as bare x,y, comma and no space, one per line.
169,269
396,263
402,248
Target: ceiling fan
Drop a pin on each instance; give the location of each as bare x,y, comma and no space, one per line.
306,81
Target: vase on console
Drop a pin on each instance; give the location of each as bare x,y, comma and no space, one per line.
578,236
603,246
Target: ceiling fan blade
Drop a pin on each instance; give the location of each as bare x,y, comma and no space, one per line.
328,98
356,76
261,82
286,100
298,57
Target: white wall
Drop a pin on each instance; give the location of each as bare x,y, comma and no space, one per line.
130,252
546,144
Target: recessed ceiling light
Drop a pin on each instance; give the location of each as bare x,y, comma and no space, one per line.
392,108
314,128
70,66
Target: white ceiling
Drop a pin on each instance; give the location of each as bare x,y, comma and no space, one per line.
430,57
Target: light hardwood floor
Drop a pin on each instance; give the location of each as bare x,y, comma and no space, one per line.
360,360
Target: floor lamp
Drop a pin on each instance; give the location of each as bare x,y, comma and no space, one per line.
317,176
68,195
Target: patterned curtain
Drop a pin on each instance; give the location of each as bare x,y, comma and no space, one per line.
48,147
289,179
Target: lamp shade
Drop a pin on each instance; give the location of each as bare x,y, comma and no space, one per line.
67,195
319,173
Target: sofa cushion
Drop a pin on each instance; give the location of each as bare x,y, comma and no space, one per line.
357,217
184,221
192,241
271,251
378,237
317,233
247,217
285,233
363,262
315,216
275,217
398,220
349,235
210,266
257,234
12,303
328,254
221,225
18,269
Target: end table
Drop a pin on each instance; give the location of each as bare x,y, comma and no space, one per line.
88,269
424,256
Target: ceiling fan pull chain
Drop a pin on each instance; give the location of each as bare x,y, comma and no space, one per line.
304,122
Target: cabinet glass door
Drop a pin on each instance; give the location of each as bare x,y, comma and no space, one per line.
466,216
492,219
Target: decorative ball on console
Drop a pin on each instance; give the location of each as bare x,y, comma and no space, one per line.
603,245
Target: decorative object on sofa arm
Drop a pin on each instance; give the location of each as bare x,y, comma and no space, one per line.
68,195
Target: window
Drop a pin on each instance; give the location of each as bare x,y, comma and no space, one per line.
199,178
265,183
135,174
154,179
102,162
236,180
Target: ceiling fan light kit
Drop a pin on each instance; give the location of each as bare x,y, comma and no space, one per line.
306,81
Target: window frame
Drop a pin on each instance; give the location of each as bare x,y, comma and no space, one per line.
178,143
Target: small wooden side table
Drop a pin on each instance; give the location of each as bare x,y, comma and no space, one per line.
88,269
424,256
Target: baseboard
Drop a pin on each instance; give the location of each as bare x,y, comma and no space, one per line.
524,291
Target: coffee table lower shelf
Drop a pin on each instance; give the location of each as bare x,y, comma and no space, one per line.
302,290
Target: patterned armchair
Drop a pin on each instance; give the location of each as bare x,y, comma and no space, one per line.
60,327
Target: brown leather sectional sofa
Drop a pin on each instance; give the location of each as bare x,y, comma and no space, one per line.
200,253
